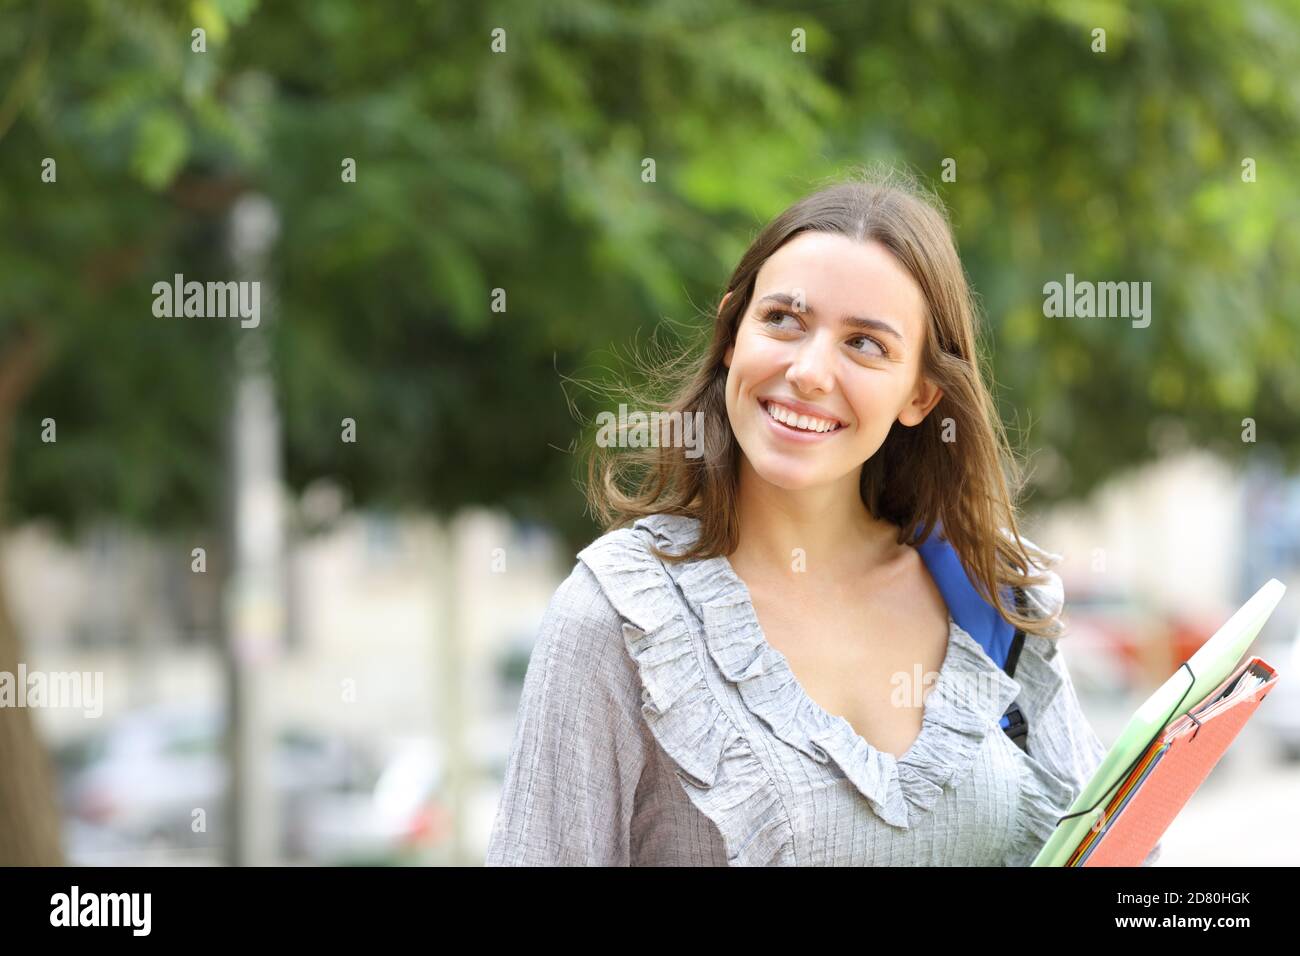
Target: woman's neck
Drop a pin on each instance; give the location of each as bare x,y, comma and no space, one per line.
829,527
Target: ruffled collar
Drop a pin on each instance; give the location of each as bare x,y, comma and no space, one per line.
965,704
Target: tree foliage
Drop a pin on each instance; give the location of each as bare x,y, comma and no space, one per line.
522,171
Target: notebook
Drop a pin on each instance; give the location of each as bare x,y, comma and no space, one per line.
1168,748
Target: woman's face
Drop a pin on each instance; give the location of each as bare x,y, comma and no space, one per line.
833,332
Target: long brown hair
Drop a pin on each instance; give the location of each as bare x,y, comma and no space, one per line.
916,478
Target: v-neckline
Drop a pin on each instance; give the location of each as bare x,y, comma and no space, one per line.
783,662
954,727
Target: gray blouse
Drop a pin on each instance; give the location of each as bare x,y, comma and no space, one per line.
658,727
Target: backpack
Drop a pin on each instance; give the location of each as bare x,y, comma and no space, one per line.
1000,640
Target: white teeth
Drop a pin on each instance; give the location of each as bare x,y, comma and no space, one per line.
803,422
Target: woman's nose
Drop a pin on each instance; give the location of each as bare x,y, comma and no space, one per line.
812,369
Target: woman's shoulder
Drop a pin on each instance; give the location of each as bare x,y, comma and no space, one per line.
616,579
1042,669
580,603
668,532
631,576
581,650
1045,600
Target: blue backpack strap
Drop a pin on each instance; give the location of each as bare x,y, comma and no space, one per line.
1014,721
977,617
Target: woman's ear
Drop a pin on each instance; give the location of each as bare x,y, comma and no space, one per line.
924,399
723,303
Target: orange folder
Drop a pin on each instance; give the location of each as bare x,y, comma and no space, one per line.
1171,769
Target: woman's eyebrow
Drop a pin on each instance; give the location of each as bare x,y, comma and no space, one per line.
852,321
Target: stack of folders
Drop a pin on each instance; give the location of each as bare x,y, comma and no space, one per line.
1168,748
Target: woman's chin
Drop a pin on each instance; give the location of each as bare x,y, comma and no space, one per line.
791,476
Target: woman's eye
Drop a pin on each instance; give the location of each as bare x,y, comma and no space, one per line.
772,318
867,338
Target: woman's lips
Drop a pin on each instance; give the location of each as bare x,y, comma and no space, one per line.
795,434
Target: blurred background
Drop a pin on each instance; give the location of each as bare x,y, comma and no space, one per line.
281,580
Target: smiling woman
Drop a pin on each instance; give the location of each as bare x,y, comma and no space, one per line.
852,307
763,668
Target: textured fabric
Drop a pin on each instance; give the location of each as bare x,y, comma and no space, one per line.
657,727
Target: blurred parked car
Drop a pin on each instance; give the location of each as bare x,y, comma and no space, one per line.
138,782
1113,625
400,818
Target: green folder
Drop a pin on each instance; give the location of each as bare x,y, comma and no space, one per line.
1210,666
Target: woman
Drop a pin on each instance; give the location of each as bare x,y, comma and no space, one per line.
747,674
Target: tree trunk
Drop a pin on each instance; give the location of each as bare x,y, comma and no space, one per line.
29,809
